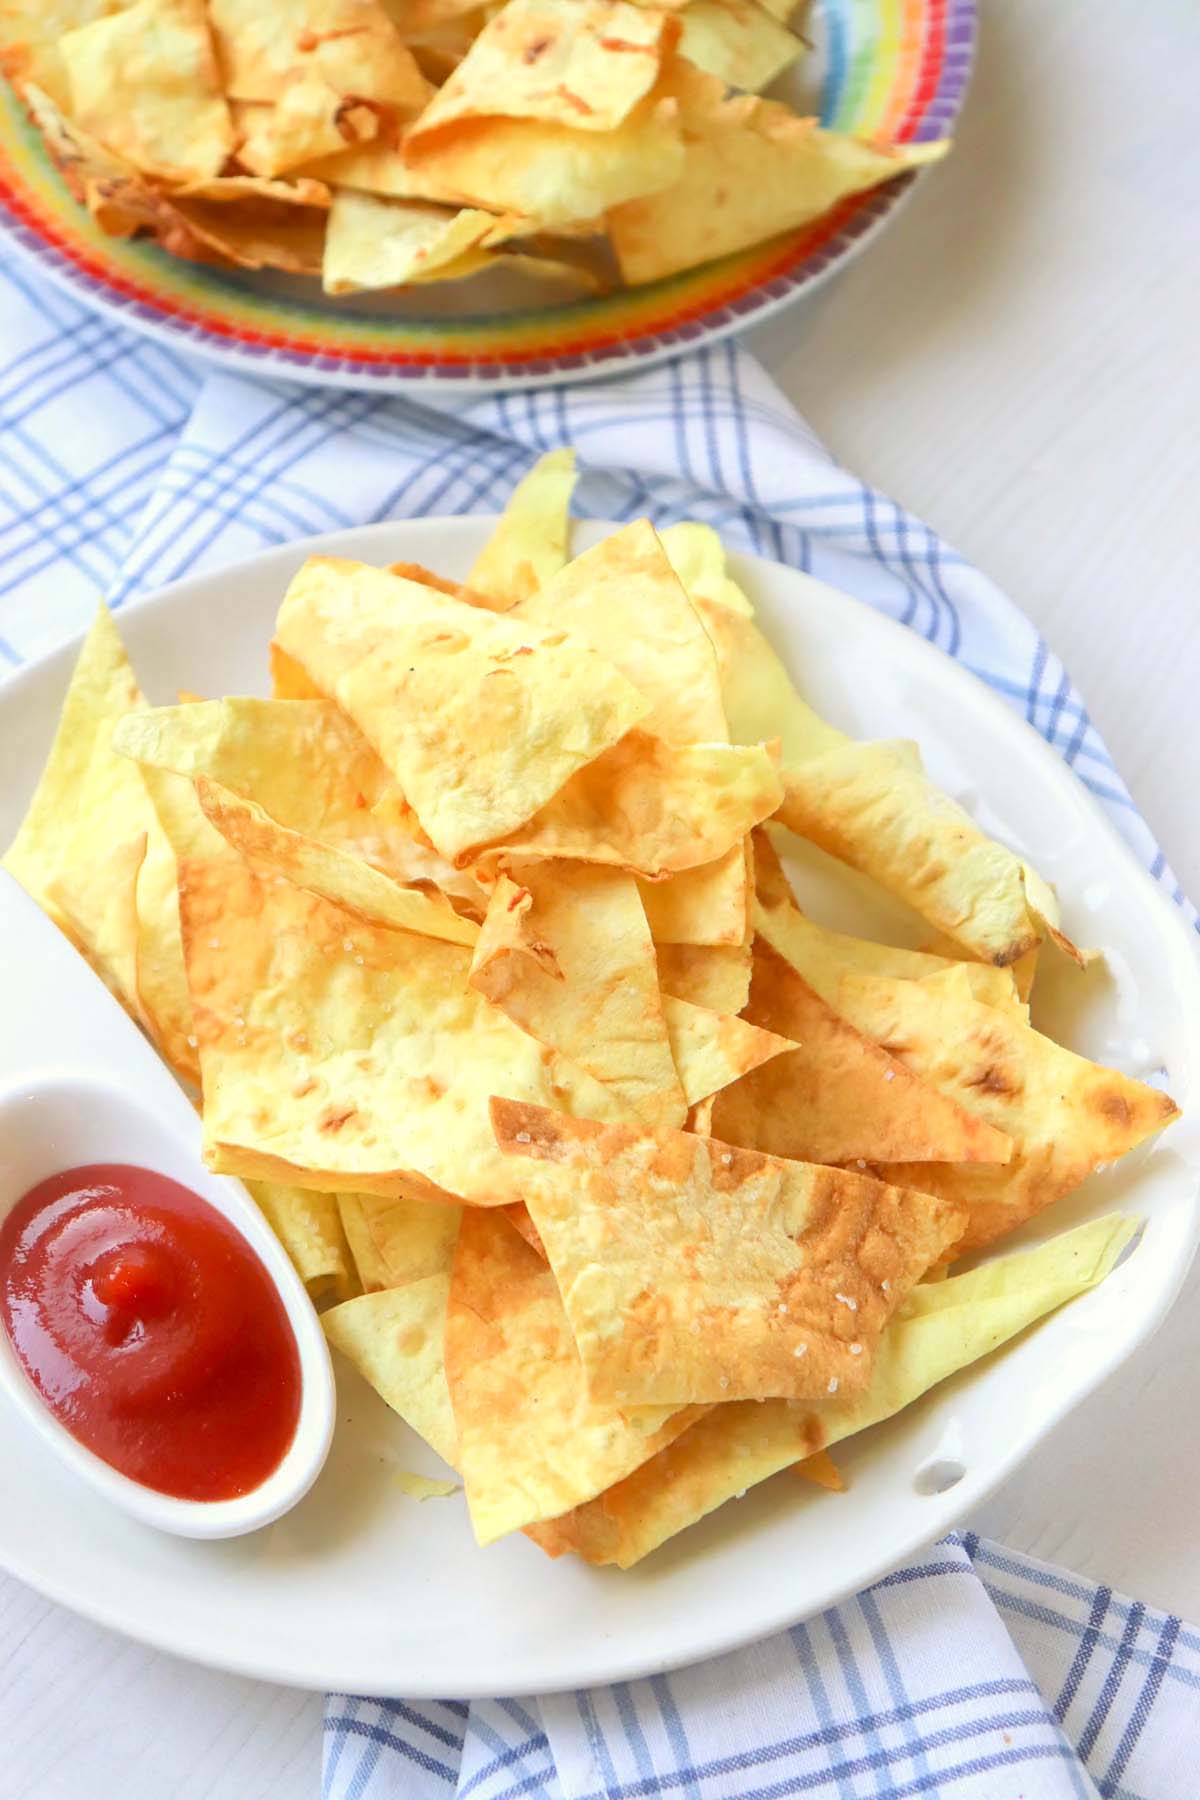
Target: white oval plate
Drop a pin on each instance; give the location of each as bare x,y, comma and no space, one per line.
363,1589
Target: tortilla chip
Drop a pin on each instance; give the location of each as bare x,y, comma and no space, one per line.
712,975
625,601
692,1272
940,1329
103,688
96,898
552,173
738,41
584,64
532,1442
528,546
373,243
394,1340
712,1049
697,556
162,992
652,808
518,1217
253,234
30,31
414,1238
1065,1115
344,1057
822,1471
289,679
371,1270
760,702
565,952
295,787
144,81
310,1229
838,1096
707,905
752,170
480,718
353,46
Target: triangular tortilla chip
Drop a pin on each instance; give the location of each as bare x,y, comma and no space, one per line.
753,169
650,807
694,1273
353,46
565,952
341,1056
374,243
697,556
310,1229
838,1096
625,601
529,544
480,718
394,1340
1065,1115
941,1328
712,975
161,979
145,82
708,905
711,1049
531,1441
371,1270
584,64
738,41
96,897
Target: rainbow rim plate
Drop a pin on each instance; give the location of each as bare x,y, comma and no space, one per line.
891,68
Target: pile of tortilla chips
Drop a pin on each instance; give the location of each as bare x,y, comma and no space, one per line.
624,1181
381,144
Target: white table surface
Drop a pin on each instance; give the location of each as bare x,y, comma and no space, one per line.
1017,361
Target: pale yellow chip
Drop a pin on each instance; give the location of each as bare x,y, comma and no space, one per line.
838,1096
30,32
532,1442
942,1327
761,704
553,173
706,905
145,82
693,1273
481,718
371,1270
394,1340
712,975
623,598
584,64
354,46
711,1049
414,1238
566,953
652,808
1064,1114
738,41
96,898
752,170
529,544
344,1057
162,993
310,1229
697,556
374,243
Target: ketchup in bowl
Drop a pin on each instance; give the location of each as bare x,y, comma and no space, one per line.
151,1330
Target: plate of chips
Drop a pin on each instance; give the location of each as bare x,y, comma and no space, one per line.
721,1138
384,193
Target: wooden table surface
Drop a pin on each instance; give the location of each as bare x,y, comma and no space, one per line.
1017,361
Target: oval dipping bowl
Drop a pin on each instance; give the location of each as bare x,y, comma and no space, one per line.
79,1085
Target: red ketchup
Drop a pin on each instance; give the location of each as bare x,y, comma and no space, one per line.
151,1330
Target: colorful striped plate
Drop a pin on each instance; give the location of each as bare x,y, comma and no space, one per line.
893,68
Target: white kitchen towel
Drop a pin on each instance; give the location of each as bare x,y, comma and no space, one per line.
970,1674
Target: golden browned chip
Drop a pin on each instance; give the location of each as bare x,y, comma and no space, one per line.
1064,1114
344,1057
518,1217
822,1471
711,1049
310,1229
289,679
623,598
480,718
529,544
145,82
838,1096
707,905
566,952
693,1272
552,173
353,45
941,1328
651,807
713,975
263,233
394,1340
584,64
738,41
752,169
532,1442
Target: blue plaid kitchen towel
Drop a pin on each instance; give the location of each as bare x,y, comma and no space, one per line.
971,1673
